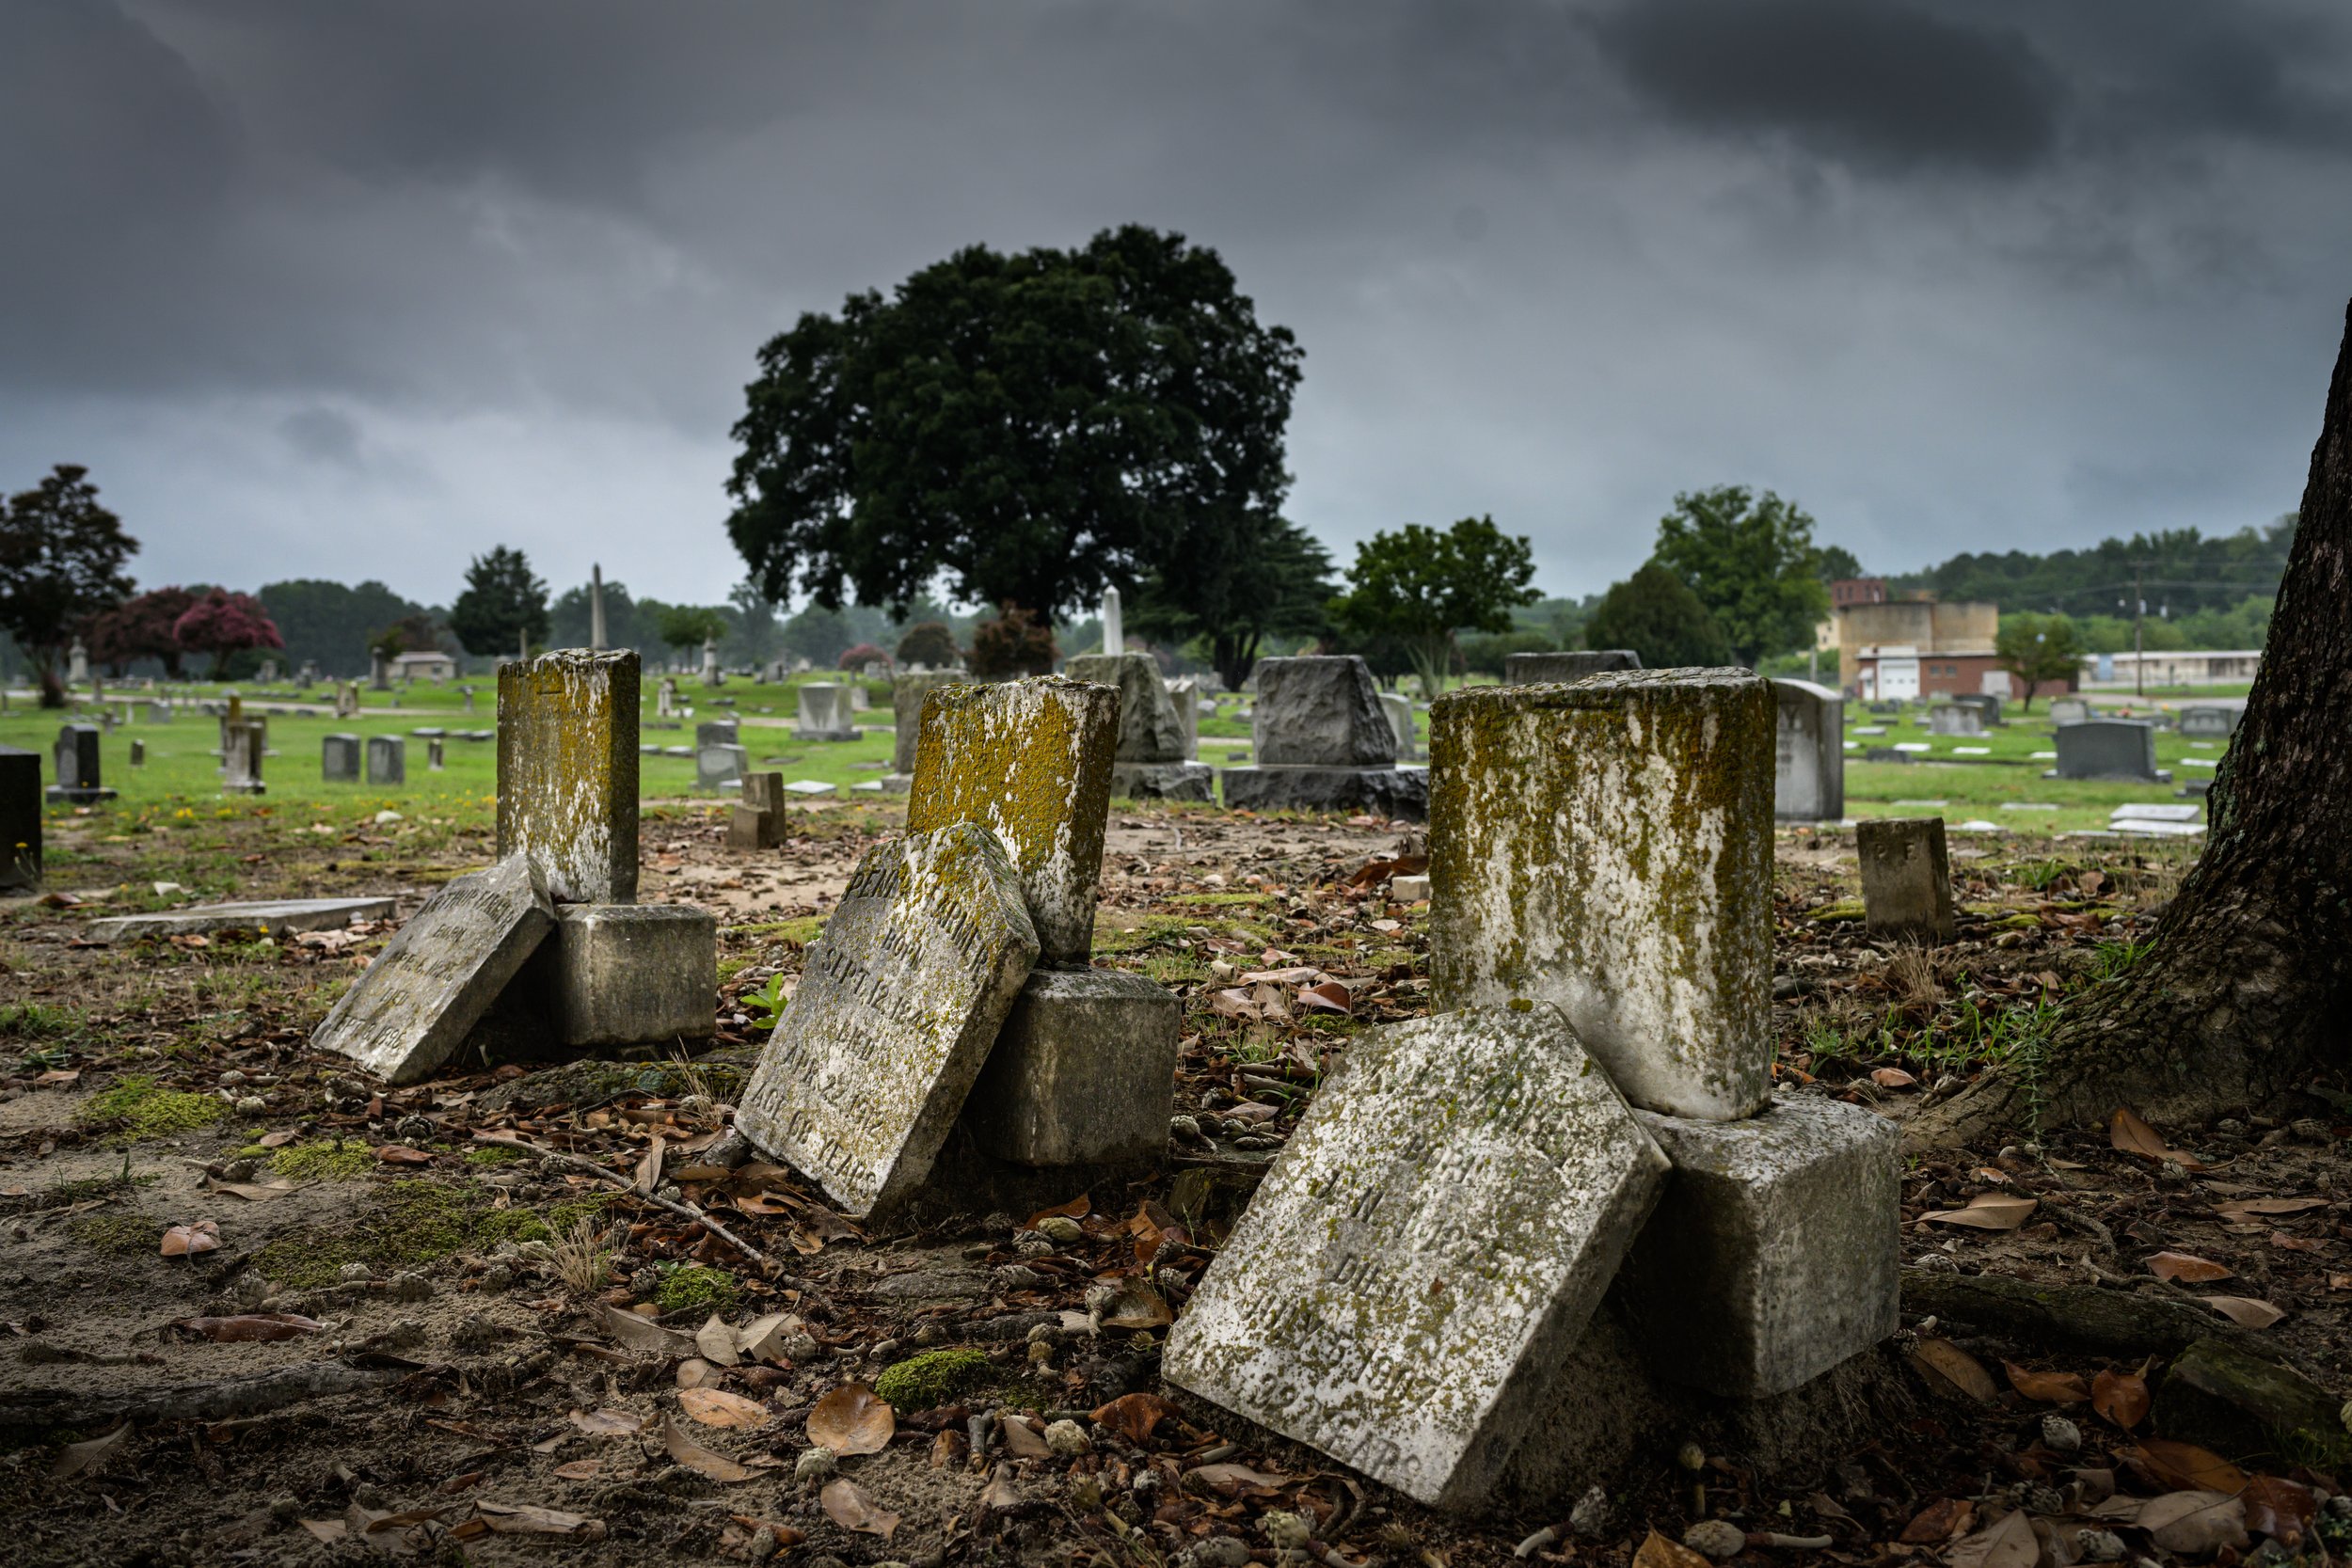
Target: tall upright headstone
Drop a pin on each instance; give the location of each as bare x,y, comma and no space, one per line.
1552,669
1114,629
595,609
379,670
1322,743
387,759
1607,846
1810,758
1151,763
1030,760
2123,750
77,664
339,759
78,768
20,820
567,772
1185,694
710,662
241,755
897,1007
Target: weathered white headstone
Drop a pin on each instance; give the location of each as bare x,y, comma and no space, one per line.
1607,846
567,772
1428,1246
899,1003
824,713
1809,761
410,1010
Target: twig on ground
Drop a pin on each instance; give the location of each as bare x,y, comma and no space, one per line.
684,1210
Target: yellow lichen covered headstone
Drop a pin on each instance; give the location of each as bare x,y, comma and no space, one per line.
567,772
1031,761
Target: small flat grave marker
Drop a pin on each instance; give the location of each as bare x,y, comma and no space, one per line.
272,917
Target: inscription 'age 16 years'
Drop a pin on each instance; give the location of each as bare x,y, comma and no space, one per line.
903,998
1436,1233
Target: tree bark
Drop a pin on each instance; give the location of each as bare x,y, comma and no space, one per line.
2241,999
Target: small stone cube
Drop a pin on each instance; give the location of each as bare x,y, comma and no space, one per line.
628,974
1906,878
1083,1072
1772,1255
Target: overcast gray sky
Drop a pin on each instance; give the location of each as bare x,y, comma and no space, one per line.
361,288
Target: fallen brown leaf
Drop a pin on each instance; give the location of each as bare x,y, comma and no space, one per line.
2279,1508
849,1505
1987,1212
525,1519
88,1458
2276,1208
1137,1306
852,1420
1938,1522
250,1327
639,1333
401,1154
186,1241
2189,1468
1134,1416
2186,1268
579,1469
1233,1480
1076,1209
717,1342
2194,1522
2008,1541
1022,1440
2047,1387
1952,1372
1657,1551
2128,1134
2120,1396
718,1467
2244,1311
716,1407
608,1423
998,1496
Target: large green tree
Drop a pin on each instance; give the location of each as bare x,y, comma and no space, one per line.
1659,619
1421,585
1027,427
2037,649
503,606
1232,586
61,558
1752,561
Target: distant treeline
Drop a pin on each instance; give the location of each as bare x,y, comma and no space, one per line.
2181,572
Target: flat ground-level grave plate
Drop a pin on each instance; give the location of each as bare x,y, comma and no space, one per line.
897,1007
1434,1237
272,917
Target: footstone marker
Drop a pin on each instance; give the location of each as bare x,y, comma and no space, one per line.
1906,877
1554,669
1031,761
1320,743
2114,749
387,759
1772,1255
1809,757
1083,1072
900,1000
271,917
435,759
757,821
1425,1251
19,819
1151,764
1607,846
408,1011
77,767
567,772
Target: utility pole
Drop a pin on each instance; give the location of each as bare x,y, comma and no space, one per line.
2139,657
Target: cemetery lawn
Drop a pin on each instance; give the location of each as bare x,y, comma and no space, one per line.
495,1318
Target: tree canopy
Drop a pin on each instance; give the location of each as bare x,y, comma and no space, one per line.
1653,613
224,625
2038,648
140,628
1751,561
1030,427
1235,585
686,626
2180,572
503,606
334,625
930,644
61,559
1420,585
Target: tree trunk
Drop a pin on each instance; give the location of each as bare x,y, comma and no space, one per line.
2241,999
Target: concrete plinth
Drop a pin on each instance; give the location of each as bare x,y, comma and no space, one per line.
1772,1255
1163,780
627,973
1083,1073
1399,792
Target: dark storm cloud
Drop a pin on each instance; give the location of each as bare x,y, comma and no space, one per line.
441,273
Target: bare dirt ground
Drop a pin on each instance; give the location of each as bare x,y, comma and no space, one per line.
387,1335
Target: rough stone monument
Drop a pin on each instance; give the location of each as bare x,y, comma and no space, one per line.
1607,846
1151,764
1554,669
567,772
1809,759
409,1012
78,775
900,1000
339,759
2114,749
1320,743
1403,1290
20,820
387,759
824,713
1906,877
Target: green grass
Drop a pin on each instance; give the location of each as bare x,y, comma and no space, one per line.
2008,773
147,1110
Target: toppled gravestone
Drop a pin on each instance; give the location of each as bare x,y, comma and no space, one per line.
901,998
1320,743
410,1010
1425,1251
567,772
272,917
1607,846
1031,761
1153,762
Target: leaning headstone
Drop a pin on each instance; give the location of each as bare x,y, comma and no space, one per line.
906,709
1403,1290
1607,846
1809,759
387,759
1774,1254
2114,749
1954,719
1399,708
1031,761
410,1010
339,759
1320,743
1554,669
19,819
898,1003
78,780
567,772
347,700
272,917
1185,696
1906,878
1151,763
241,758
824,713
1083,1072
2068,710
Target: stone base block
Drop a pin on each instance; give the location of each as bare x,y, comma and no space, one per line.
750,827
851,734
63,794
1401,792
1773,1254
1083,1072
626,975
250,786
1163,780
895,784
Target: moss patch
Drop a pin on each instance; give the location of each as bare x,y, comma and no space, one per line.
929,1380
322,1160
147,1110
405,1224
691,1288
127,1235
492,1154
